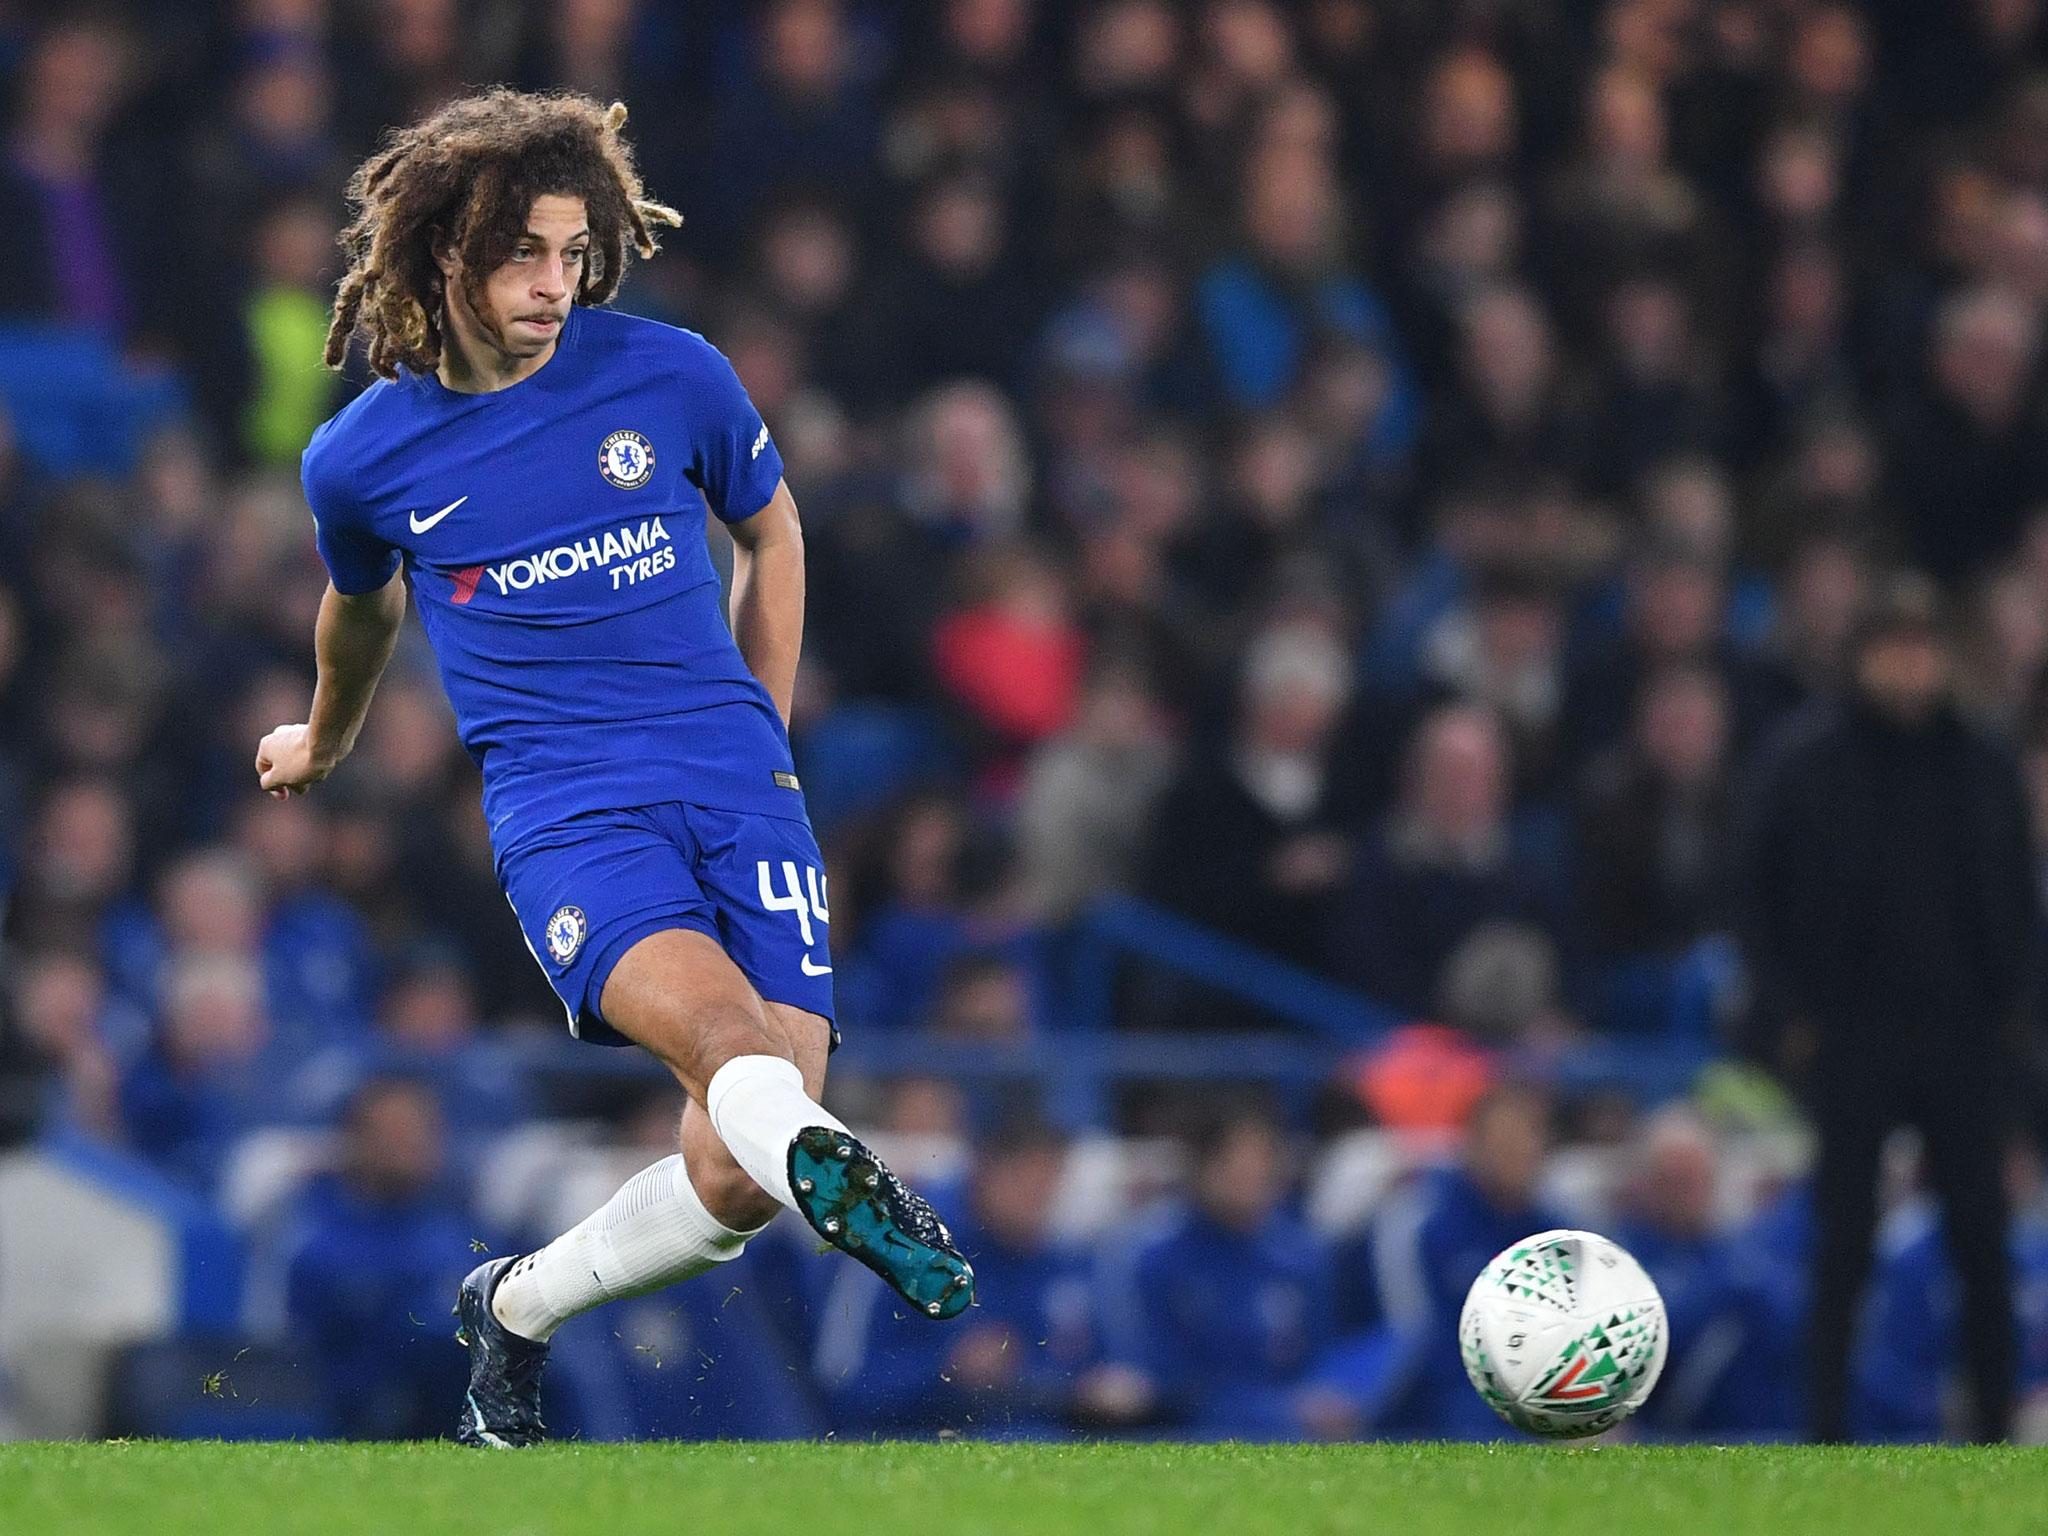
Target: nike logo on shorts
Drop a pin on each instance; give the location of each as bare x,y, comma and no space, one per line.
422,524
811,968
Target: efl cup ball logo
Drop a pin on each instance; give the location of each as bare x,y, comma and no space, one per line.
565,933
626,460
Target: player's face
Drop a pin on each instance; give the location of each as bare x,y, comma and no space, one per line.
529,296
526,300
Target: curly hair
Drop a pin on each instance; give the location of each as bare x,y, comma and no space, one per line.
468,175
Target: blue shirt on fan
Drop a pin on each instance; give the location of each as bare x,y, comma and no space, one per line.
1225,1322
553,534
1431,1240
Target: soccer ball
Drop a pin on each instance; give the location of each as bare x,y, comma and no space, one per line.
1563,1334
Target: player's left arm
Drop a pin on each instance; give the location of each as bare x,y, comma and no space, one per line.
768,594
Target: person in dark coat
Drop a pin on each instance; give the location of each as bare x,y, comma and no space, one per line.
1449,858
1651,816
1888,914
1269,802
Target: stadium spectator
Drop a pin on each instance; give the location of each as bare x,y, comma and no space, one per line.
909,916
1967,455
320,960
1287,282
283,322
1803,364
1212,1314
1822,591
1652,817
1775,1247
1674,1230
63,189
1675,611
1890,920
374,1251
1447,859
957,301
983,996
1422,1080
1087,795
209,905
1422,1250
265,176
1655,398
1012,1371
1689,502
76,867
1501,649
1270,803
1618,210
1010,658
204,1077
1469,123
809,273
1509,410
805,116
2007,654
60,1008
429,1028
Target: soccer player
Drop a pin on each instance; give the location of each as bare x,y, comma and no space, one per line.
537,467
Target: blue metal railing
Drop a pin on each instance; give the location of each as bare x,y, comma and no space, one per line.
1123,925
1074,1067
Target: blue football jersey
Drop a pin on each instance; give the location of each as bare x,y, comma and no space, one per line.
553,533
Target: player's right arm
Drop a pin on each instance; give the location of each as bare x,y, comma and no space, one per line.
352,641
358,625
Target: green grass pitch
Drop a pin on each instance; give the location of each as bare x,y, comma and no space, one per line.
985,1490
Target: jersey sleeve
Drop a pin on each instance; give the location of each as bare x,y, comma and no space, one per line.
356,559
733,460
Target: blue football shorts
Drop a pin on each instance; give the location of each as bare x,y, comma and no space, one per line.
592,886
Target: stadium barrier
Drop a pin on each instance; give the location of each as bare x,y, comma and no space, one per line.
1077,1064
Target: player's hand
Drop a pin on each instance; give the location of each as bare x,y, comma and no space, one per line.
286,764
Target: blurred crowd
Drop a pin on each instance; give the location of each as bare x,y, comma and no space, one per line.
1172,1288
1364,475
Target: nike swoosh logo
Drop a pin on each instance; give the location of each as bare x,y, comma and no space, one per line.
422,524
811,969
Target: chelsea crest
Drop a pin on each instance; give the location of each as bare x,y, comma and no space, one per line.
564,933
626,460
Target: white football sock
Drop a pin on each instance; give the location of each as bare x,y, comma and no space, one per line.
757,1105
653,1232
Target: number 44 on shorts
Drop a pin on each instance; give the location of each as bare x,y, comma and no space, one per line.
793,899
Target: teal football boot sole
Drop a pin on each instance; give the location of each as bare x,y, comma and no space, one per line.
858,1206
